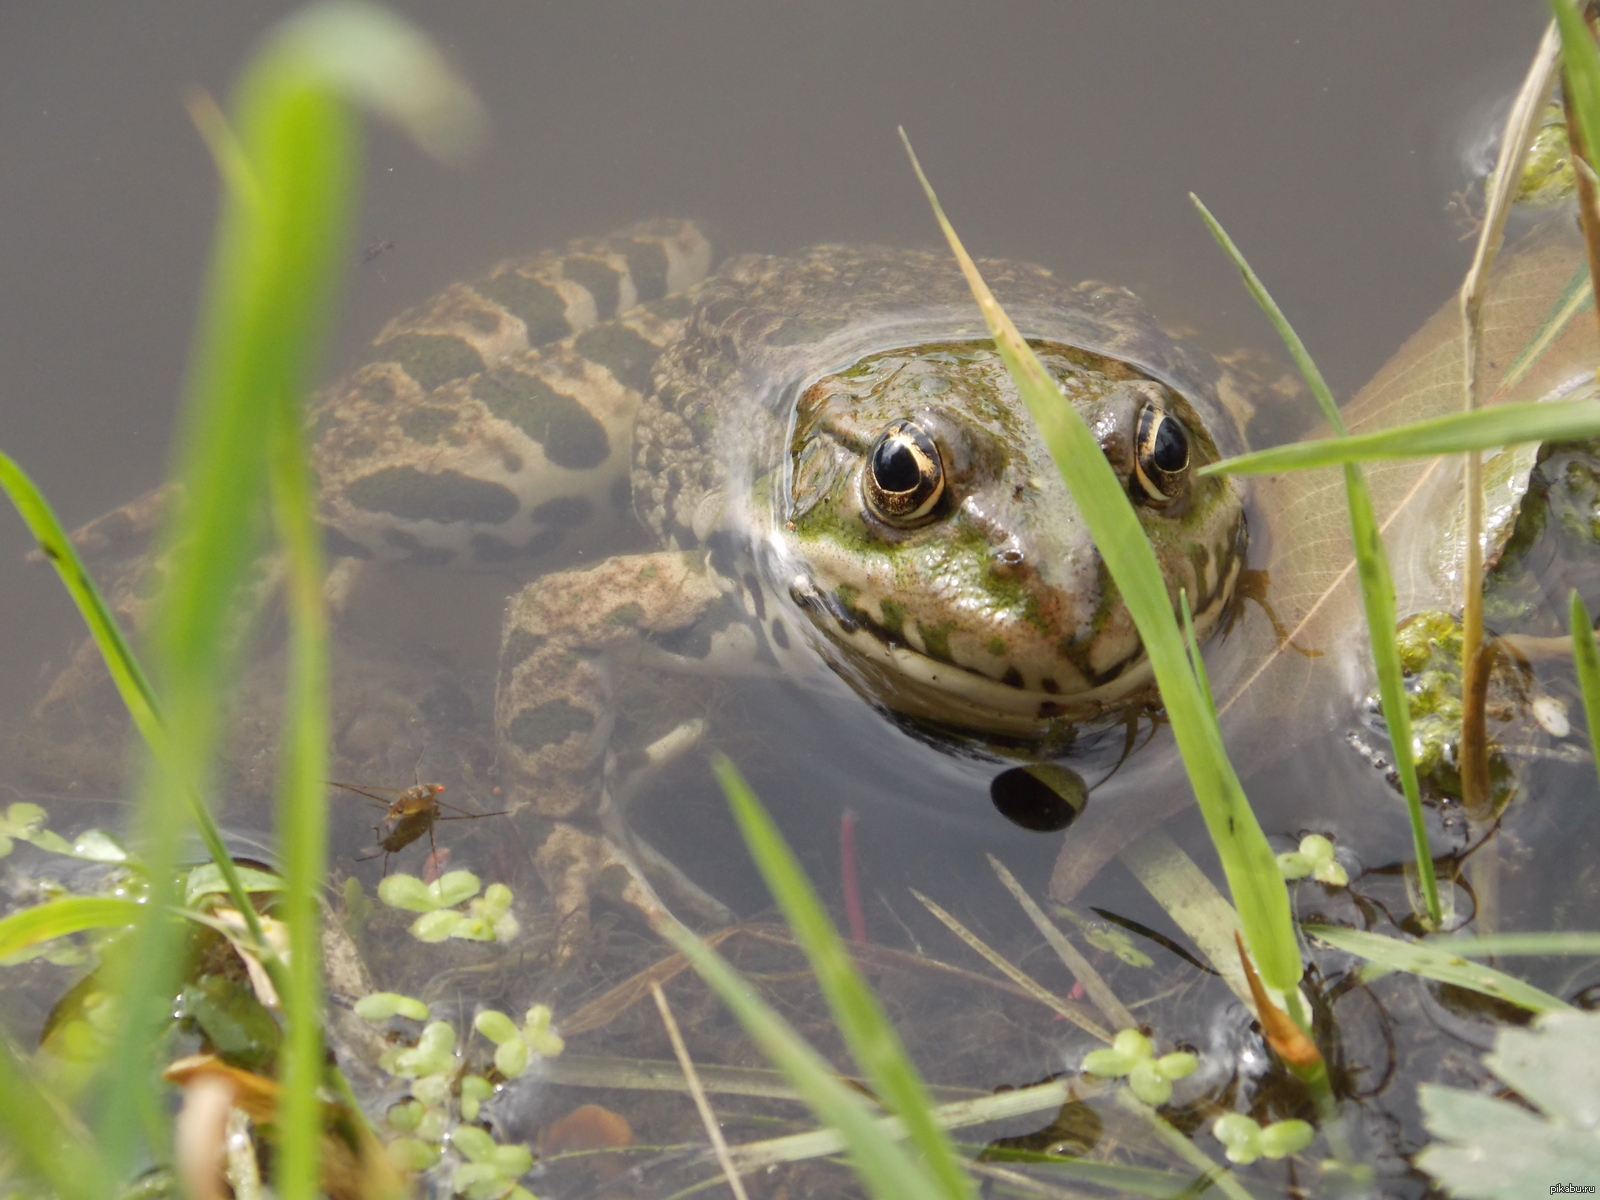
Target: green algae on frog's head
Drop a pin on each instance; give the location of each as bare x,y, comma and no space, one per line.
944,559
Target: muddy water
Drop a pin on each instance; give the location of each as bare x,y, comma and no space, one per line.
1330,140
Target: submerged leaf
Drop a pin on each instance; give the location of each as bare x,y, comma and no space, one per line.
1538,349
1493,1149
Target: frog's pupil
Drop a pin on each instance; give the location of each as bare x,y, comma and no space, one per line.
894,466
1171,451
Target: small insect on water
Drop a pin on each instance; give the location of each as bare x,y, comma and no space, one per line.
408,814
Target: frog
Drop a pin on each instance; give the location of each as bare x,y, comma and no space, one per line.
812,466
829,480
834,478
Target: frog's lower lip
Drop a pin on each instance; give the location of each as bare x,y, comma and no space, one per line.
916,685
921,687
897,675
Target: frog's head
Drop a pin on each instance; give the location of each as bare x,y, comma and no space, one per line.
940,554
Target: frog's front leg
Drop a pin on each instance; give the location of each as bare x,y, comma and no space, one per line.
553,715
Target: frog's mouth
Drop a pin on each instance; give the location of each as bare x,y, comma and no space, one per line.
889,669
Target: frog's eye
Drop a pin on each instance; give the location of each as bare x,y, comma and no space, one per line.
904,477
1162,462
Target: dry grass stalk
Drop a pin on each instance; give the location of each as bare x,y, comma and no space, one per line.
707,1117
1521,126
1083,971
1031,986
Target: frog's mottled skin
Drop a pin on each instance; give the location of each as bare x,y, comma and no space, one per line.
735,419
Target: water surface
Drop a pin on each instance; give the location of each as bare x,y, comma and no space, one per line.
1329,139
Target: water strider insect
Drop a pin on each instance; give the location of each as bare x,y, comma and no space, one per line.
408,814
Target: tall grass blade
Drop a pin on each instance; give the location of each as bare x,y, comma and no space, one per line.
1438,959
1372,567
132,684
1258,890
55,1147
861,1019
1480,429
1551,942
126,673
883,1165
1587,660
1580,63
57,918
281,239
1521,125
1017,976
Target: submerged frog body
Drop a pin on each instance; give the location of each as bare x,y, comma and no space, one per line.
813,467
834,466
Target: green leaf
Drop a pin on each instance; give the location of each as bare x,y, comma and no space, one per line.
453,887
1481,429
380,1006
22,820
291,163
1492,1149
473,1143
511,1057
1553,943
409,1154
96,845
1587,660
408,892
1438,960
436,926
57,918
882,1164
1283,1138
1372,566
495,1026
1580,72
1259,892
1110,1064
235,1024
206,880
856,1011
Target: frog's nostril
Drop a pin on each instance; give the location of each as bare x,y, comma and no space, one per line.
1009,556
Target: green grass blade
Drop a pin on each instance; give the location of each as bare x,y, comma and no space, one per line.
282,237
882,1163
1122,1180
861,1019
1441,961
56,546
1197,662
57,918
57,1149
305,148
1377,601
1455,433
1587,660
1561,942
1580,62
132,684
1291,339
281,248
1372,567
1258,889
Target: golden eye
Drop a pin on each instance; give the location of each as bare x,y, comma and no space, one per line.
904,478
1162,463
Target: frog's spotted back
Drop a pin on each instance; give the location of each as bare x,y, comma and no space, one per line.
496,419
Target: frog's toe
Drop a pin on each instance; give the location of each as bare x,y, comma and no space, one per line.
576,865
